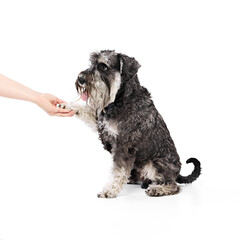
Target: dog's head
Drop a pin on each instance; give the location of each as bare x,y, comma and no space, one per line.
100,83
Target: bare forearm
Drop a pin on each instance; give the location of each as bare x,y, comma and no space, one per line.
12,89
48,102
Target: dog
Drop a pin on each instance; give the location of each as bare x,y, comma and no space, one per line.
129,126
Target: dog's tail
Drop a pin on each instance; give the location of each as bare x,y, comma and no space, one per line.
194,175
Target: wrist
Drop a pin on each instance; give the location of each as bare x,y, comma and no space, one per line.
36,96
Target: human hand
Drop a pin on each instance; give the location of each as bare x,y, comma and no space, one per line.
48,103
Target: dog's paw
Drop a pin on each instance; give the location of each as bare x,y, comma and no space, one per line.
107,194
63,105
152,192
162,190
70,107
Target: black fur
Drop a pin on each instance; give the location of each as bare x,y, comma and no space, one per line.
142,136
195,173
142,128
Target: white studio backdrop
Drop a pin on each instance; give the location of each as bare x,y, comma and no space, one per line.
51,169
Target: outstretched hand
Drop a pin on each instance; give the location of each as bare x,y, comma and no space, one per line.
48,103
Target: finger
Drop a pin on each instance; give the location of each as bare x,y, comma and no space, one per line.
58,100
70,114
61,110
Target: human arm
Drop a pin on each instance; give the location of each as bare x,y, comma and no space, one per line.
12,89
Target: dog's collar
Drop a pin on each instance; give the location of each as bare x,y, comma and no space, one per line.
121,66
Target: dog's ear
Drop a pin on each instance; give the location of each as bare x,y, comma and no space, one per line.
128,66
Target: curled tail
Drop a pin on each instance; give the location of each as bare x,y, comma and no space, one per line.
194,175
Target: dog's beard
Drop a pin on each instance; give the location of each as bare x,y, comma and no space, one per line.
97,94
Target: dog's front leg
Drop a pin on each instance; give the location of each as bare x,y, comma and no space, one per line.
84,112
120,177
121,172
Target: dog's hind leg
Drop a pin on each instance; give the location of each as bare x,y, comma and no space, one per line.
155,190
162,172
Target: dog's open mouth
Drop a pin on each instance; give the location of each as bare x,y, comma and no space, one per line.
83,93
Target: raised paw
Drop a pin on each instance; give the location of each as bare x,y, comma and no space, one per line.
70,107
62,105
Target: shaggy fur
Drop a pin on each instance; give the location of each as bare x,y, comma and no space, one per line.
129,126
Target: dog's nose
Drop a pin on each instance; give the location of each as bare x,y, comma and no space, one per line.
81,80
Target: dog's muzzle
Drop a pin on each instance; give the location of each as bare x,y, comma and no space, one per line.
81,87
81,80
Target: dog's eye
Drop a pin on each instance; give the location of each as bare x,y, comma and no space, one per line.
102,67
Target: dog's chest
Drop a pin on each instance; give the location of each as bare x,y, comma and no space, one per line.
108,127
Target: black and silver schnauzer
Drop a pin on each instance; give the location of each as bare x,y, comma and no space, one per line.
129,126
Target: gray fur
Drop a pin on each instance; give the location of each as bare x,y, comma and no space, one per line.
129,126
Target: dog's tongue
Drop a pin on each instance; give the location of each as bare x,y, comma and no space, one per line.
84,96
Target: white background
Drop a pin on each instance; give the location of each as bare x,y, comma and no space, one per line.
51,169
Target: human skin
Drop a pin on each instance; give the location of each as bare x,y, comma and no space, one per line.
48,102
